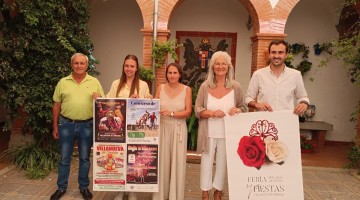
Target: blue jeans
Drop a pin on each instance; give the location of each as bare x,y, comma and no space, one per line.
68,132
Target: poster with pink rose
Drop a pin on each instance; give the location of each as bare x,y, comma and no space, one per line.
264,156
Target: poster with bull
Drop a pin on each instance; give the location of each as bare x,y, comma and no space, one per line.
110,120
125,150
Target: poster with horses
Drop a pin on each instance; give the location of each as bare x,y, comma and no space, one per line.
143,119
126,139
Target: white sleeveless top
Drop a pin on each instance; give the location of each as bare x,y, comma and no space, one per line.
216,126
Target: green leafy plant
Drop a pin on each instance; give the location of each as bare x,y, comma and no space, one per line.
354,158
37,161
192,123
304,66
298,48
295,49
38,39
304,144
326,47
162,48
146,74
354,155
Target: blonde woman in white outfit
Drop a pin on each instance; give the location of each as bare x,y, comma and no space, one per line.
218,96
129,86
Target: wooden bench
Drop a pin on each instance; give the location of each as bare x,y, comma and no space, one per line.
318,131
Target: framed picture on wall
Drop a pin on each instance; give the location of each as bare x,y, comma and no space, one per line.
197,52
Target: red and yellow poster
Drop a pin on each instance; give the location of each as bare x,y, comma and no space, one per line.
109,167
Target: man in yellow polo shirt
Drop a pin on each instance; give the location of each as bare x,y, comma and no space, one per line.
73,119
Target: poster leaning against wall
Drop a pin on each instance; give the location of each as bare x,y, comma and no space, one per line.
125,150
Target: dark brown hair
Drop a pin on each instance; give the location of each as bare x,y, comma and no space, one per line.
277,42
123,79
178,67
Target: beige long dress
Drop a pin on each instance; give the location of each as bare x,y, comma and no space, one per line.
173,140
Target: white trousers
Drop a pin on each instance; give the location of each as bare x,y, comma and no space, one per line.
216,146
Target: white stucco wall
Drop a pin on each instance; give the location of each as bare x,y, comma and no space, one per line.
331,91
115,30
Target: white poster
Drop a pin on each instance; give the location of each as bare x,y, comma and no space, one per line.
263,156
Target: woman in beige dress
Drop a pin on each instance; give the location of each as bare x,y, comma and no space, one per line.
175,107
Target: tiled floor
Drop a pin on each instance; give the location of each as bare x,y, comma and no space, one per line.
320,183
329,156
334,156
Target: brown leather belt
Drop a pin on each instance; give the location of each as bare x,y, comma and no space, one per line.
76,121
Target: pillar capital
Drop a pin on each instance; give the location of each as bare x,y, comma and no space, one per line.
267,37
160,33
260,43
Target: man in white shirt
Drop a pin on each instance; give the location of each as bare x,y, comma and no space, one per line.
276,87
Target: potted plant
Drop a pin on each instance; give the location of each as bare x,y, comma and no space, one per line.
304,66
294,50
306,147
192,123
162,48
318,48
146,74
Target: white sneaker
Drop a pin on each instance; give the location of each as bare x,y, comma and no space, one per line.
132,196
119,196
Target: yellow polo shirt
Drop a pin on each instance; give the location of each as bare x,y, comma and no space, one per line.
76,98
